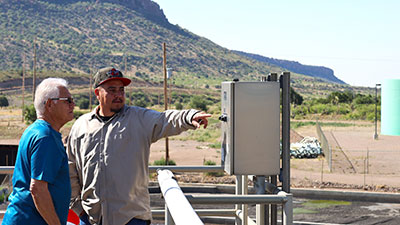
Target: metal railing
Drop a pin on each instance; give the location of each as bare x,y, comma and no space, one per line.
240,213
175,205
326,148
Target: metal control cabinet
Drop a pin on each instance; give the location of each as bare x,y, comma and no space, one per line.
250,128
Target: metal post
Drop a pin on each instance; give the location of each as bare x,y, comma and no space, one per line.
34,71
287,209
23,88
168,217
238,191
274,208
90,90
376,111
244,206
165,99
262,217
285,78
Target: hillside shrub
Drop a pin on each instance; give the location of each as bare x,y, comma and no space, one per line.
178,106
3,101
83,103
198,102
364,99
78,113
30,114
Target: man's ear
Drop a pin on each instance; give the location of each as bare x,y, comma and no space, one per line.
48,104
96,91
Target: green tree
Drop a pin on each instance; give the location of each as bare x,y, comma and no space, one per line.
3,101
199,102
295,98
30,114
83,103
178,106
140,102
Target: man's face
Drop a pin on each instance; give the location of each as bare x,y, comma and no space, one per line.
62,110
111,96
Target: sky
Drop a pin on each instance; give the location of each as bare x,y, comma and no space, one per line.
358,39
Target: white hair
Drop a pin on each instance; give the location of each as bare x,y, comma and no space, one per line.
48,88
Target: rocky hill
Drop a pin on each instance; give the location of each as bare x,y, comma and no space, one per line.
75,36
314,71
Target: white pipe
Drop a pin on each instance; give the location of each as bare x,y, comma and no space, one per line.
239,213
179,207
287,209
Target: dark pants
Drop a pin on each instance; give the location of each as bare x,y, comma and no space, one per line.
84,220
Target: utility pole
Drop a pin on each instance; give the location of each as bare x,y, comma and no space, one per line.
34,71
165,99
126,69
90,90
376,111
23,87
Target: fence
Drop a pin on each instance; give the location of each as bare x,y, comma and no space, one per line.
327,150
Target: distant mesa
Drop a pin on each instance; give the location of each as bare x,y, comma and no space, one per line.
314,71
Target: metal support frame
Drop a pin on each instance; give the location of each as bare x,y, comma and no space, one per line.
245,191
238,191
262,211
376,111
178,203
285,79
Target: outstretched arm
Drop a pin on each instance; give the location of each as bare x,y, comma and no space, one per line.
199,119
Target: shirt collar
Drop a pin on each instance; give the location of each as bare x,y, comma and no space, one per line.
93,114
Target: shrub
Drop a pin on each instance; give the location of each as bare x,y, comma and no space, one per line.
198,102
83,103
212,174
140,102
3,101
178,106
30,114
78,113
162,162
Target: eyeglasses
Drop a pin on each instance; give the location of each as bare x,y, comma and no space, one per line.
69,100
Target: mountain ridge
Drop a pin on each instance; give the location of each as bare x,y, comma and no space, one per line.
314,71
79,36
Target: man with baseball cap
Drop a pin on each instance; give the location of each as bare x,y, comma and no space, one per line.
108,151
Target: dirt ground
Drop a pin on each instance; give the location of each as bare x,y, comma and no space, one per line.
358,161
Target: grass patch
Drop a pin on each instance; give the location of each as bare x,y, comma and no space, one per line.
212,174
320,204
297,124
303,211
211,134
163,162
216,145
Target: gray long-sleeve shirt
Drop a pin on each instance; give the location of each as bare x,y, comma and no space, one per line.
108,162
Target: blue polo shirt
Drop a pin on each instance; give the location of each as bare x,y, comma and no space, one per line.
41,156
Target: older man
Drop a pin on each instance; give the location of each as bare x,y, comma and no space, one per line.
41,184
108,151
